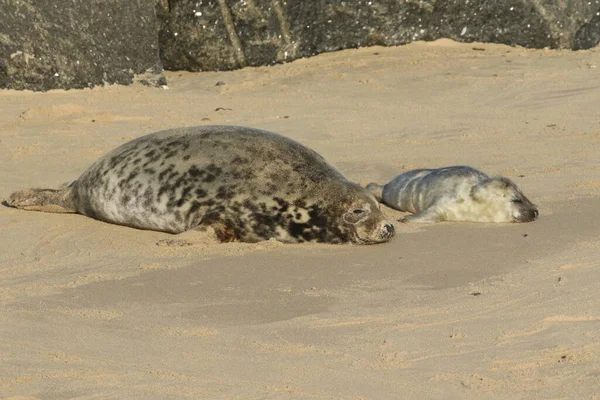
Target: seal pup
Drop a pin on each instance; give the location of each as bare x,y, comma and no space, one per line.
457,193
245,184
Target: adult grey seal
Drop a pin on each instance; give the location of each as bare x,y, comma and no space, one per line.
246,184
457,193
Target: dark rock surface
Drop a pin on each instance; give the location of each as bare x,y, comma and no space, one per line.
588,35
227,34
67,44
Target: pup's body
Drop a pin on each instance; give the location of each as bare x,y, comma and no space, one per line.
457,193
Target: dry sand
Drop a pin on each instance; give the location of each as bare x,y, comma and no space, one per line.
90,310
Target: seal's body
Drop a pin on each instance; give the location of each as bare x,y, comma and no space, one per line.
457,193
247,184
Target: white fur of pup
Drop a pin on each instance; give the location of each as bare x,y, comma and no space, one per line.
456,193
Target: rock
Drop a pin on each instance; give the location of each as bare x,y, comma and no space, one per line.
588,35
196,38
565,18
77,44
229,34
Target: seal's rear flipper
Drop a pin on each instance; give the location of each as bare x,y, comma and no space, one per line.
47,200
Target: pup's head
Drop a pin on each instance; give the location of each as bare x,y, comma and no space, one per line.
504,201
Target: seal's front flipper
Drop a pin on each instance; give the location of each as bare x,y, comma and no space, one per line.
47,200
195,237
428,216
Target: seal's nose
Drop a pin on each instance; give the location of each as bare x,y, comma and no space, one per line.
535,213
388,230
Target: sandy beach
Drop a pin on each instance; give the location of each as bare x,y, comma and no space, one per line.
90,310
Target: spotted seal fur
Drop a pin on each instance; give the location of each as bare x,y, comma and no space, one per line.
246,184
456,193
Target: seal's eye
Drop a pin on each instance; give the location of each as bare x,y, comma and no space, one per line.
355,215
517,201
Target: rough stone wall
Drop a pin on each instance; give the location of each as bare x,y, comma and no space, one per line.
199,35
67,44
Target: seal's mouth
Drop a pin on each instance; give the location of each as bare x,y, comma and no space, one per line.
385,232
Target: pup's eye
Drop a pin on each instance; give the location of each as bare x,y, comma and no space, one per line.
358,211
517,201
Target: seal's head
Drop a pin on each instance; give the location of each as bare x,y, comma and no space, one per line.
504,200
360,217
366,224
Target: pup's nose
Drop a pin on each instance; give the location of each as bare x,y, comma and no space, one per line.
535,213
